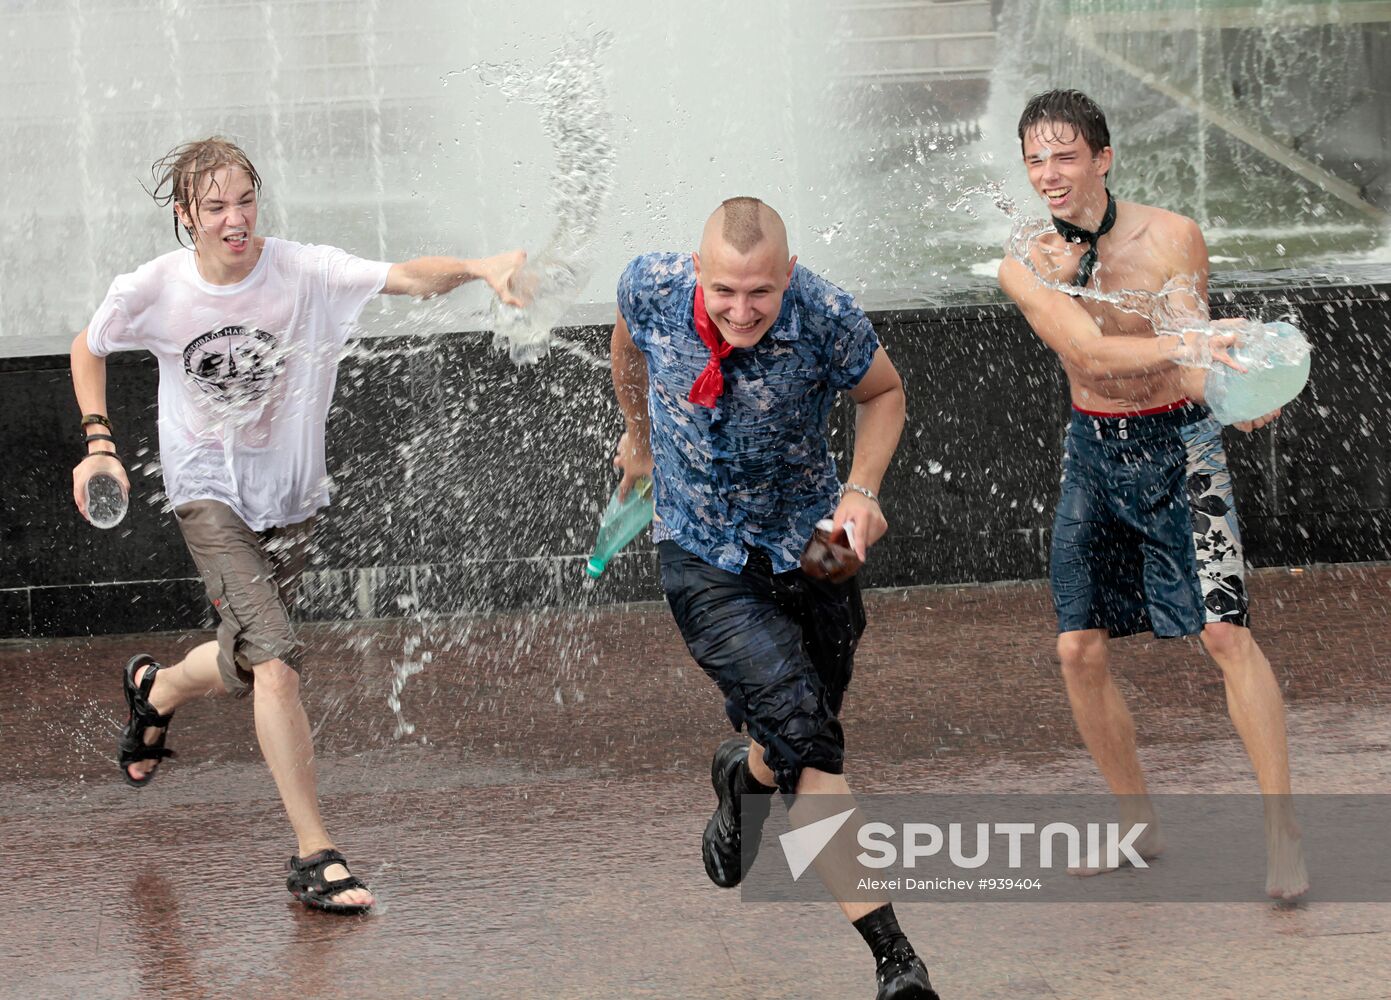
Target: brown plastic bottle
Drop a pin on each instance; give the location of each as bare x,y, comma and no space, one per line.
830,556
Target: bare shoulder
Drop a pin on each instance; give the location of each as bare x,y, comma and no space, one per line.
1169,237
1018,279
1162,225
1049,261
1033,285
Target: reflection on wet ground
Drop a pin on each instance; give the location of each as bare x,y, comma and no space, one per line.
538,836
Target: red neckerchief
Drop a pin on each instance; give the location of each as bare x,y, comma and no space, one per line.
709,384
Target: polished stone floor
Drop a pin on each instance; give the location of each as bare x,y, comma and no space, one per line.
537,835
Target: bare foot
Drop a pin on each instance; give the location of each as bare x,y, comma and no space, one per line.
1149,845
141,768
308,881
352,897
1285,875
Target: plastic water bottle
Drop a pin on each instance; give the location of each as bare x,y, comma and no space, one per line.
831,556
1276,359
106,500
621,522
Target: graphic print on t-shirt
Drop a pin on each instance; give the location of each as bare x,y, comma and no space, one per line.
234,365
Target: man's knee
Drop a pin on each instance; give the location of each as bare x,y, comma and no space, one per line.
758,765
814,779
1083,656
801,741
275,678
1226,642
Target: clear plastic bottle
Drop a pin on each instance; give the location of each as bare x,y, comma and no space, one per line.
1276,359
549,287
106,500
622,521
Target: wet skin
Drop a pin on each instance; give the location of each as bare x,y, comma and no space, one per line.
279,717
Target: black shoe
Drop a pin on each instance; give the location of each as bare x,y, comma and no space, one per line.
721,845
902,976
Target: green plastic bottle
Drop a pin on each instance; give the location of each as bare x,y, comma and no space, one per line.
623,520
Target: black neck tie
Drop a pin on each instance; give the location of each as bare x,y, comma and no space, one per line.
1076,234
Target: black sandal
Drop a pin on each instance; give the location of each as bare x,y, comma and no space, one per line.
142,717
306,883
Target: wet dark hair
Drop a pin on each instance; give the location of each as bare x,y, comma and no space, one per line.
179,174
1067,107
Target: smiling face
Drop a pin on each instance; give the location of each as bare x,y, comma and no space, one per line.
1066,172
743,291
743,269
222,219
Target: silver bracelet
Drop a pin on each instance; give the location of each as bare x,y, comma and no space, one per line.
857,488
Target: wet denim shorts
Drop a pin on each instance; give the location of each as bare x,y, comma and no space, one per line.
781,647
1146,535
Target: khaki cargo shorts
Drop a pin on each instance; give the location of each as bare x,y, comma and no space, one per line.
250,577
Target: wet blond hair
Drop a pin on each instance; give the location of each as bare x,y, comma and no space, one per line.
180,173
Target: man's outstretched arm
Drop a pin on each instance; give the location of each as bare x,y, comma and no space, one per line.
426,277
629,370
880,405
1070,331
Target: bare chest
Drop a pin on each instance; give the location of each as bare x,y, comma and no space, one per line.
1128,299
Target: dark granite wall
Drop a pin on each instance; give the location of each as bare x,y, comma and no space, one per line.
466,484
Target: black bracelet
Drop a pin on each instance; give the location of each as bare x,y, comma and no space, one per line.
95,418
100,437
105,454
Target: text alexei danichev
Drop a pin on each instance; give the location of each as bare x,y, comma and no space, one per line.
934,884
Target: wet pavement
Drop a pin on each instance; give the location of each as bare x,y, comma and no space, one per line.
538,833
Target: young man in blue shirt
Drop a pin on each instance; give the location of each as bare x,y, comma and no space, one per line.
726,364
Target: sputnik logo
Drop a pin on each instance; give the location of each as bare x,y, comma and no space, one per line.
801,846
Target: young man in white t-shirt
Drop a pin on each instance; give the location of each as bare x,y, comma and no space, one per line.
248,331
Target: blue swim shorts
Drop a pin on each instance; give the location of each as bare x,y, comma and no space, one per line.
1146,536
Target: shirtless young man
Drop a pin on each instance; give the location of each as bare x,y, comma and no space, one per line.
1145,535
248,331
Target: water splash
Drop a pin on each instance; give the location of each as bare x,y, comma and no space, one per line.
1166,310
85,133
374,122
173,12
403,670
279,213
573,100
581,352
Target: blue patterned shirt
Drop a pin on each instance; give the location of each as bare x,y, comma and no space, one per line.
755,471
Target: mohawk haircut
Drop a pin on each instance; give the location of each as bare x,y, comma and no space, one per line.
179,175
1067,107
743,223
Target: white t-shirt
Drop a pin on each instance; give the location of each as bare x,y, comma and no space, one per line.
246,371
